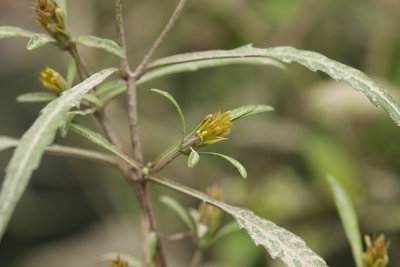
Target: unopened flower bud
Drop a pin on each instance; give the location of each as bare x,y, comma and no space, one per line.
118,263
376,252
213,129
52,19
208,214
53,80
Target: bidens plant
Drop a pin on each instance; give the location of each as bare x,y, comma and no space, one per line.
90,98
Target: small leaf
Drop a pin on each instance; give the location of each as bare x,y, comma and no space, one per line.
7,142
133,262
105,44
233,161
153,245
36,97
27,156
66,123
109,86
93,99
279,242
248,110
39,40
349,219
171,98
193,158
11,31
71,71
98,139
180,211
227,229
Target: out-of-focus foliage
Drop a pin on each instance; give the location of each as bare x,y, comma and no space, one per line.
75,208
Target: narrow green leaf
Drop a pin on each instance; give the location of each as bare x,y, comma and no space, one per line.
36,97
66,123
279,242
233,161
153,245
349,219
39,40
311,60
193,158
93,99
28,154
11,31
113,94
108,45
248,110
98,139
112,256
109,86
227,229
171,98
154,73
71,71
180,211
7,142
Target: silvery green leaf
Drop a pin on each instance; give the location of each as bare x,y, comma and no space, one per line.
36,97
7,142
105,44
98,139
39,40
193,158
112,256
180,211
157,72
225,230
279,242
71,71
248,110
349,219
312,60
233,161
172,99
11,31
28,154
109,86
66,123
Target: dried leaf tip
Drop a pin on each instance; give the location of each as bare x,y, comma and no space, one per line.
53,80
375,254
213,128
52,19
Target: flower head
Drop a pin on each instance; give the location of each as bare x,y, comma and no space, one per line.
53,80
52,19
118,263
376,252
213,128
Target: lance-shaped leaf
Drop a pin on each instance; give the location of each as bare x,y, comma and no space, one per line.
193,158
312,60
180,211
227,229
172,99
66,123
93,99
154,73
71,71
38,40
349,219
66,151
36,97
248,110
11,31
27,156
105,44
233,161
98,139
153,245
279,242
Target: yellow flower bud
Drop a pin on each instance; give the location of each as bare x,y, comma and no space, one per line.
376,252
53,80
118,263
213,128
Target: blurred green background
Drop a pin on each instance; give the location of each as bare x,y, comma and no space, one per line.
73,212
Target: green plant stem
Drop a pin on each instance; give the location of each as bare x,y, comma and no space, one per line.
197,257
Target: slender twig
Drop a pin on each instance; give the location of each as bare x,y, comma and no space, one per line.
146,60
